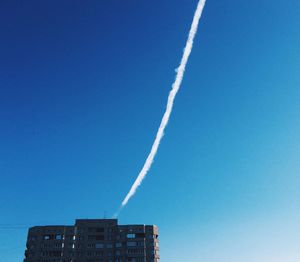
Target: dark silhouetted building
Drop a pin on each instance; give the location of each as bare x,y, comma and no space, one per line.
93,240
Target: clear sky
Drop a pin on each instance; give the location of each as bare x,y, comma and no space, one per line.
83,86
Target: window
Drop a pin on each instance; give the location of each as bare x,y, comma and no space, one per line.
131,244
91,245
99,229
57,245
99,245
99,253
58,237
100,237
140,243
130,235
133,251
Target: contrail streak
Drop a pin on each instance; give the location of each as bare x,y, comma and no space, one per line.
175,87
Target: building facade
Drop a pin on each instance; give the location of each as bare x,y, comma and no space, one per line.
93,240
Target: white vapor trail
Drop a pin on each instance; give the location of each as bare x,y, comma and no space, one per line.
175,87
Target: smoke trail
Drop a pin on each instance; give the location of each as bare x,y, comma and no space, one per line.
175,87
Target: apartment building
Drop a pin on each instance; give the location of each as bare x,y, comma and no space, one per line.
93,240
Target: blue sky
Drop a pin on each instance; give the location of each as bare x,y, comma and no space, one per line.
83,86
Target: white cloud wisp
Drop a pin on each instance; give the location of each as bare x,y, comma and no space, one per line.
175,87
